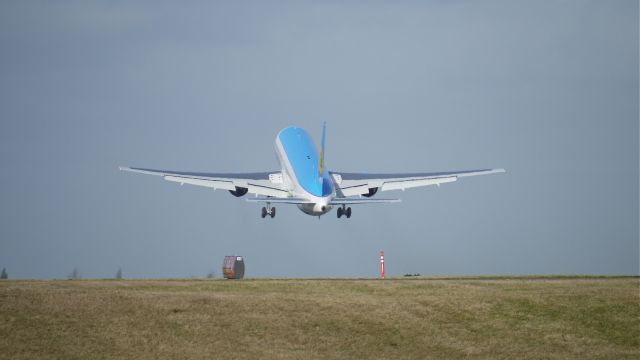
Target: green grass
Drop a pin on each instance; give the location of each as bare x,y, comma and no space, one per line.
415,318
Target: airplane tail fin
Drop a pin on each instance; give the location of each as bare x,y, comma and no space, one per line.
324,134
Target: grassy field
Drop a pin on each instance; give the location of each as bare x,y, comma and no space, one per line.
321,319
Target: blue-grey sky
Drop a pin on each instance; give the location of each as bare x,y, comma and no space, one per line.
546,89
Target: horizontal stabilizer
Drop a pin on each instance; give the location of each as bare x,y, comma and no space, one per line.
274,200
349,201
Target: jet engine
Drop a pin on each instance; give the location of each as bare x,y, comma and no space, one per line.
239,191
372,191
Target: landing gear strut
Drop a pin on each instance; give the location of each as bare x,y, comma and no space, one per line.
344,210
271,211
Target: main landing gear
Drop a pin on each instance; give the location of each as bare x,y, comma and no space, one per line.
346,211
271,211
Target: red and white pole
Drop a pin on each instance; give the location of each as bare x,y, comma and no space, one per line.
381,264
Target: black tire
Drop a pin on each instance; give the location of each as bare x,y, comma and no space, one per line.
339,212
264,212
348,213
273,212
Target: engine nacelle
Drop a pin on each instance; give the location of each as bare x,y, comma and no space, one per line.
372,191
239,191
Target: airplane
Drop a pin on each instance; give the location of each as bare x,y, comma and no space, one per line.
304,180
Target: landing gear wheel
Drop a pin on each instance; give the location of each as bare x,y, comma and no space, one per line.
264,212
340,212
273,212
348,213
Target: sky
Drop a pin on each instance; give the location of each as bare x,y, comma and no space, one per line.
547,90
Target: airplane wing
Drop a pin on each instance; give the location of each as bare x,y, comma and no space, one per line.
366,184
260,183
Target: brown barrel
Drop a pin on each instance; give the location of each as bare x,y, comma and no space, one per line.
233,267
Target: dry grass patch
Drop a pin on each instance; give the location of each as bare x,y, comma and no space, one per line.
321,319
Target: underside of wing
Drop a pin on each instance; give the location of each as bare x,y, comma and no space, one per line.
367,184
259,183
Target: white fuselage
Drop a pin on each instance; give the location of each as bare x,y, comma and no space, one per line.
300,171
